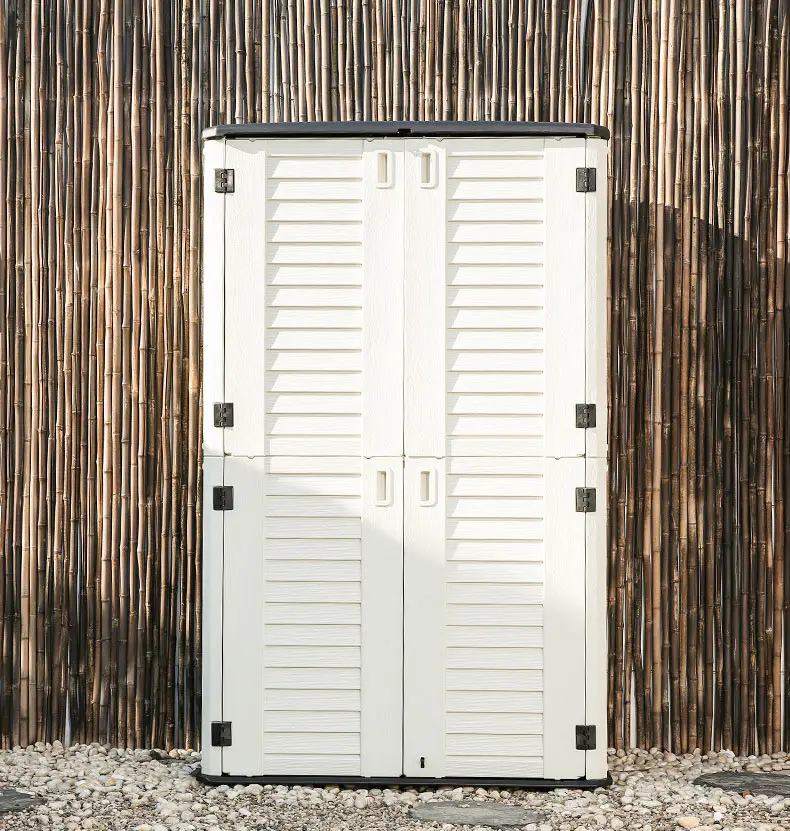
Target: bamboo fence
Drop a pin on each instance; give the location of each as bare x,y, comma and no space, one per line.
102,103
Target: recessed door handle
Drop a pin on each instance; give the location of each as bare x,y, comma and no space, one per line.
383,488
384,168
427,488
428,168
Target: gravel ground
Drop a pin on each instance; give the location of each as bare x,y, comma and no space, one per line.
93,787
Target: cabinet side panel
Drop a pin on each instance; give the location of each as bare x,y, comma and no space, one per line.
564,621
213,296
565,297
212,616
596,206
243,635
245,296
596,657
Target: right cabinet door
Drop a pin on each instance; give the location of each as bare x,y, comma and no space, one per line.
494,549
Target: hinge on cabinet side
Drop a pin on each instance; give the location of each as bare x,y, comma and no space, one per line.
224,180
585,500
585,415
223,498
221,734
223,415
585,737
585,179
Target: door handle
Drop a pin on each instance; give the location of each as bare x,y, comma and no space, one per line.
427,488
428,168
384,168
383,488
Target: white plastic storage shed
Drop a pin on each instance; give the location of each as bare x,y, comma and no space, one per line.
405,475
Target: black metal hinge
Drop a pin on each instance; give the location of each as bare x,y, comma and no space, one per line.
223,498
585,500
221,734
585,415
223,415
585,737
585,179
224,180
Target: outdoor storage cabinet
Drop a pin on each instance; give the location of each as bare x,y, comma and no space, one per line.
405,452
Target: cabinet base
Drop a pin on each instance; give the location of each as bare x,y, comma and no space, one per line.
406,781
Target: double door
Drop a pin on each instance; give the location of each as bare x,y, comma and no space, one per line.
404,573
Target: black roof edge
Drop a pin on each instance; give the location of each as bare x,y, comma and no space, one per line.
405,129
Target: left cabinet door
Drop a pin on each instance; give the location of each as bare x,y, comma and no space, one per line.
313,308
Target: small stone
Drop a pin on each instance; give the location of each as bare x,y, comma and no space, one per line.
688,822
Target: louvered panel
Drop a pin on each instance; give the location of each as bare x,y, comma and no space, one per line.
486,318
318,296
495,234
329,465
490,572
300,361
303,403
512,680
330,571
486,508
495,521
460,613
474,744
487,486
294,655
309,166
489,274
312,678
311,232
318,485
309,191
314,318
491,190
311,613
312,528
308,721
316,592
312,700
499,657
326,634
295,765
494,701
494,594
522,550
314,211
494,636
309,505
314,382
299,275
524,382
495,766
313,549
313,406
300,743
312,445
504,297
481,529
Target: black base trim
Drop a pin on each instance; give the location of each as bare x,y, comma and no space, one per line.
407,781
